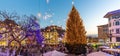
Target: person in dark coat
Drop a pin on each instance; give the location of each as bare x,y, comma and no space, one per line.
25,52
21,51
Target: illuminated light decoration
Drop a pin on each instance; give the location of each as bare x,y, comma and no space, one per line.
33,28
94,45
75,35
116,44
75,31
12,27
39,37
0,36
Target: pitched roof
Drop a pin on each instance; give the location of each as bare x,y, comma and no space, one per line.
116,12
105,25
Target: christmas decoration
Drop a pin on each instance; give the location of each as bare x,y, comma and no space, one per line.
75,36
32,28
16,30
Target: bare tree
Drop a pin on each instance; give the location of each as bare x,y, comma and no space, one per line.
17,29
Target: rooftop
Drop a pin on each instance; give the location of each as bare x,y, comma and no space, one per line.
116,12
106,25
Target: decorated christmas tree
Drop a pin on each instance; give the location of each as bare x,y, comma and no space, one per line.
75,36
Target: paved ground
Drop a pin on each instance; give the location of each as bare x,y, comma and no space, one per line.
74,55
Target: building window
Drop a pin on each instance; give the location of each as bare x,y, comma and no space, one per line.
109,24
113,23
113,17
104,30
119,16
112,30
117,39
117,23
117,31
116,17
109,19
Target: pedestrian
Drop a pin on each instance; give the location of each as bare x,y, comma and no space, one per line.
21,51
10,51
25,52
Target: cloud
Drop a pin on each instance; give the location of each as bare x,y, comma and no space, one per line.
64,19
39,15
51,21
53,24
47,1
47,15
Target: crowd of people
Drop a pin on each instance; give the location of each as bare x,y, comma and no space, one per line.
32,50
37,50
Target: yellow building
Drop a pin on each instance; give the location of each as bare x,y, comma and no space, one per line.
51,37
52,34
3,41
5,33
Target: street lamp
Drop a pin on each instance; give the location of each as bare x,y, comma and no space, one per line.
110,37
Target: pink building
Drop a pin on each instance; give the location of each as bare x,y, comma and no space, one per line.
114,25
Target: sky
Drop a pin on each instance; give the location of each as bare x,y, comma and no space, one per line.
21,7
55,12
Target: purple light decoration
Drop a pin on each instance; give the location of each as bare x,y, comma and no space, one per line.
33,28
39,37
0,36
36,30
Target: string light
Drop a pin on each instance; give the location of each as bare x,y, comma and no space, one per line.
75,32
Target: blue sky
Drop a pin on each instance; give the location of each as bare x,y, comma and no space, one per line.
91,11
21,7
56,11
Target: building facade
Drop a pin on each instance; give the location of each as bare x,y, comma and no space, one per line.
114,25
52,34
103,33
91,39
6,39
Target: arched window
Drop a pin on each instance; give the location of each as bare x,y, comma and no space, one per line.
117,23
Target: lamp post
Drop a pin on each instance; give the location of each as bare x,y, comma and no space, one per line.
110,37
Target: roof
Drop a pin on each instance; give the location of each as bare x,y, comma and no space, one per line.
52,28
106,25
116,12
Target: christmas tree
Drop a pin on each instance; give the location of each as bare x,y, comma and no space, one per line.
75,36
